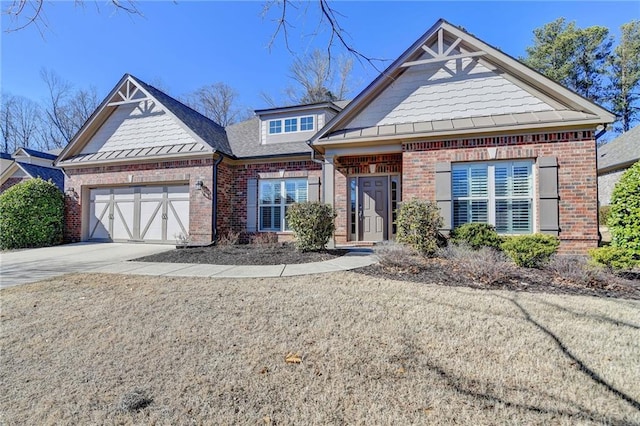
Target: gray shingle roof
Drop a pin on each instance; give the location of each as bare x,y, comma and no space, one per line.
623,150
244,138
40,154
45,173
210,131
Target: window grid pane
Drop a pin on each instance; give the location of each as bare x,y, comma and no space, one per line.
306,123
291,125
275,126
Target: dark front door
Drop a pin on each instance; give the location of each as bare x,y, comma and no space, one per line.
373,209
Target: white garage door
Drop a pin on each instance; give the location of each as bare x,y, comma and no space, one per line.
145,213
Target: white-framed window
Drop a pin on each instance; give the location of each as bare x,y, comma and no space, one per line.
290,125
306,123
499,193
275,126
275,197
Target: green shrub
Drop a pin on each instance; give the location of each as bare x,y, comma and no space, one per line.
624,216
615,258
312,224
31,215
603,216
418,223
530,251
476,236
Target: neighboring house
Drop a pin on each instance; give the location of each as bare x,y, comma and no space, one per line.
27,164
452,120
614,158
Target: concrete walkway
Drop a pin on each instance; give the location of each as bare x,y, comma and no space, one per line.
352,260
31,265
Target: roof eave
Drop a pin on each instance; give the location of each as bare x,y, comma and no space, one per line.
568,125
138,160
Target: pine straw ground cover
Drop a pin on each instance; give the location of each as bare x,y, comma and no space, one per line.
323,349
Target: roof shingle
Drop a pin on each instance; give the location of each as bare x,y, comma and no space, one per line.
623,150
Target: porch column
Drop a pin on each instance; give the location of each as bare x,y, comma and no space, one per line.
328,188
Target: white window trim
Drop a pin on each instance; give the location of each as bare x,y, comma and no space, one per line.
282,204
269,127
491,212
313,122
298,125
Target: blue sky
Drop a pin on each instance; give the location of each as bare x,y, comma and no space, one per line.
182,46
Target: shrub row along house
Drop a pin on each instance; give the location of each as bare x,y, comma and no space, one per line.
452,120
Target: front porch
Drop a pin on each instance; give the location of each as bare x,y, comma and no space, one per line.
367,190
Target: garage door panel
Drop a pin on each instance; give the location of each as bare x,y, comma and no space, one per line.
99,214
177,218
148,213
123,220
151,220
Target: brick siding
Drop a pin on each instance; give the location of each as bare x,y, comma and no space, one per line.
12,181
162,173
577,181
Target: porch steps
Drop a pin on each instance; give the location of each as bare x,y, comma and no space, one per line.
357,244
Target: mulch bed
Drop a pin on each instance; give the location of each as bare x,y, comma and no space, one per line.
433,271
243,254
447,273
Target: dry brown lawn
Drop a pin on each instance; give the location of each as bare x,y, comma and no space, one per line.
110,349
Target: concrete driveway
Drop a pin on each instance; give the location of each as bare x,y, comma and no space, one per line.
30,265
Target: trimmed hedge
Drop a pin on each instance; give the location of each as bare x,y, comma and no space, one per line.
476,236
530,251
312,224
418,224
31,215
615,258
624,215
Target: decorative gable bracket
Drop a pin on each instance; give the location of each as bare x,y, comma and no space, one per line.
128,93
442,52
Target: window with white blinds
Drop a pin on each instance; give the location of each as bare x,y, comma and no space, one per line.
499,193
275,197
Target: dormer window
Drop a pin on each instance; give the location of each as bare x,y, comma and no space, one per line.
306,123
290,125
275,126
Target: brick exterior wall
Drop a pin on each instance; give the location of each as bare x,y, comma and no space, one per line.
241,173
178,171
232,190
10,182
577,180
357,165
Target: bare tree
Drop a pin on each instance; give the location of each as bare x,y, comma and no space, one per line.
66,109
318,79
217,101
24,13
6,121
20,121
329,20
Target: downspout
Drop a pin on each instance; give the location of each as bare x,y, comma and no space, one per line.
214,199
599,134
